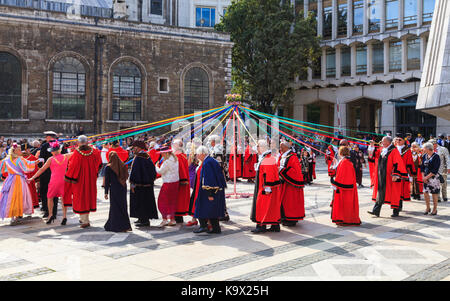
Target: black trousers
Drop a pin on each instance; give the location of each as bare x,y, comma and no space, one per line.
214,223
395,211
44,181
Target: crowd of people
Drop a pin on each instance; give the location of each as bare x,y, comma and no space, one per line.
194,178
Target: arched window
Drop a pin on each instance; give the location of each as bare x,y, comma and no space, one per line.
196,91
10,86
69,89
127,94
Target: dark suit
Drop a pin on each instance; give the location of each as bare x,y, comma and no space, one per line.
44,180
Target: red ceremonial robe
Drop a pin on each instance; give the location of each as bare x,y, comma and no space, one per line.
292,197
330,154
32,184
345,204
82,174
238,166
68,186
384,190
123,154
267,203
372,162
249,164
194,194
410,169
314,165
155,156
184,189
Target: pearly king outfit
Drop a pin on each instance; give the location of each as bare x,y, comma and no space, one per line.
15,196
292,197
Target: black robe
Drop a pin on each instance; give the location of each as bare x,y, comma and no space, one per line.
118,219
142,177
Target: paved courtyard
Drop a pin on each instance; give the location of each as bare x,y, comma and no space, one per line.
411,247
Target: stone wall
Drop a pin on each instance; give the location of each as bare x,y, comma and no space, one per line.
39,39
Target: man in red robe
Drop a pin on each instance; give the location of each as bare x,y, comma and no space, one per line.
345,204
330,154
184,187
82,173
388,183
292,197
115,147
405,152
250,159
266,198
231,164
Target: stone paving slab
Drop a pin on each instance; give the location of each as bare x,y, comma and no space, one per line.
412,247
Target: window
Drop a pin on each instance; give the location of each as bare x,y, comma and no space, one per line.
428,8
127,94
312,9
342,18
327,19
156,7
345,61
163,85
374,15
331,62
317,68
224,11
392,11
10,86
69,89
410,12
413,49
358,16
205,17
196,90
378,57
361,59
395,56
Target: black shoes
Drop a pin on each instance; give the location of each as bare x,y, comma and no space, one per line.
433,213
259,229
289,223
426,212
201,230
143,224
214,231
373,213
50,220
64,222
274,228
226,218
395,215
45,214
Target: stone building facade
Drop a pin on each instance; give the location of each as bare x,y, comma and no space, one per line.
59,73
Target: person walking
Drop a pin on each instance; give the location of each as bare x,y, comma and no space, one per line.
443,167
360,161
116,175
82,175
430,171
168,195
58,165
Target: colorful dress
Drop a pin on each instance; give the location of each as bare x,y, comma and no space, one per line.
15,196
58,167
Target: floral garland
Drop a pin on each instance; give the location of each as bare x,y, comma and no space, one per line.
233,99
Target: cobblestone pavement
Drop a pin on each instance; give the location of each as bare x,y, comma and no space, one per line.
411,247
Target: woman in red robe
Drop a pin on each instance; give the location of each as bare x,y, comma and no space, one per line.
250,159
373,154
345,204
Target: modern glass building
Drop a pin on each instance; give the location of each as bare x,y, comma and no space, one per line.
369,73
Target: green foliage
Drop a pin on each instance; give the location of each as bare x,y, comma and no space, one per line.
272,46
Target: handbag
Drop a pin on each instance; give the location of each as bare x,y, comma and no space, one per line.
441,179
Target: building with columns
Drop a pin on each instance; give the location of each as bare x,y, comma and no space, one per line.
368,77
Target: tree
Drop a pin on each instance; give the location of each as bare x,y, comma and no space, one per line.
272,46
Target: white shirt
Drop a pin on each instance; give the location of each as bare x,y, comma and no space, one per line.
283,159
103,155
169,170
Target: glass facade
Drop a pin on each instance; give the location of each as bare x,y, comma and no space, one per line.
392,13
331,62
342,18
374,15
345,61
327,19
413,49
361,59
378,57
358,16
127,94
205,17
10,86
156,7
196,91
395,56
428,8
410,13
69,89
